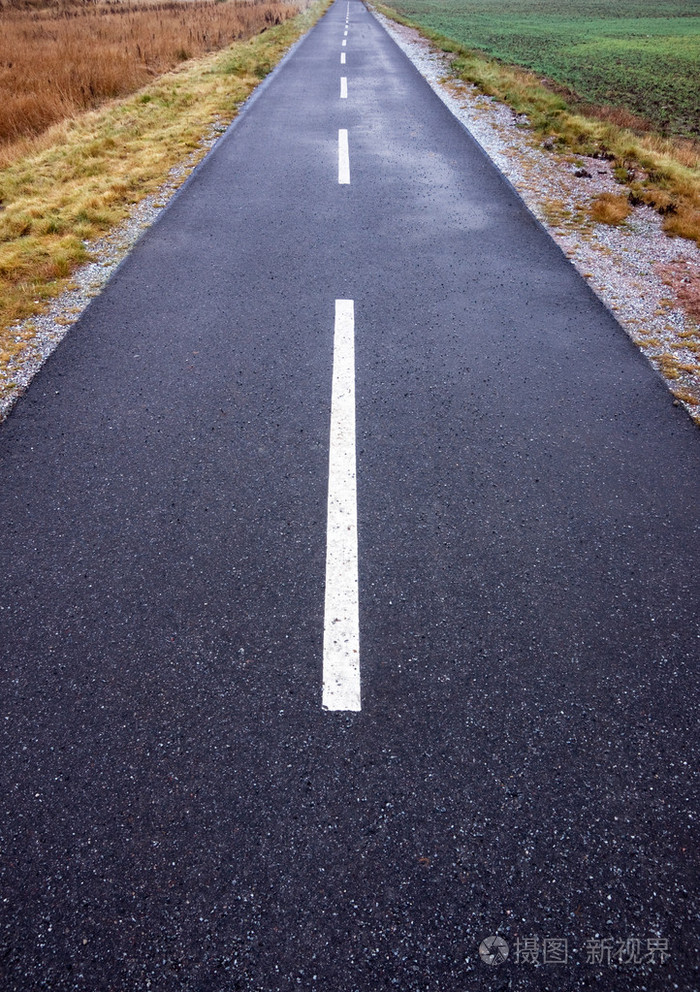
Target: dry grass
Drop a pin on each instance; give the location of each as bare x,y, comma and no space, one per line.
619,116
82,176
689,397
560,215
69,57
610,208
668,364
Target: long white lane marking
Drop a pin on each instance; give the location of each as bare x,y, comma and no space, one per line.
341,628
343,87
343,158
342,58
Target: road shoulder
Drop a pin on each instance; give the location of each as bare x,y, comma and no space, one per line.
649,281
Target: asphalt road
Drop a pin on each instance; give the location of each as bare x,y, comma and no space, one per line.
178,810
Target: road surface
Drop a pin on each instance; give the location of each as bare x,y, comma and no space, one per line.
349,610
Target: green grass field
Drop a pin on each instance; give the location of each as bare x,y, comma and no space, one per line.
643,55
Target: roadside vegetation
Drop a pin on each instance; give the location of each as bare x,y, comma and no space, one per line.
647,121
59,58
638,55
70,183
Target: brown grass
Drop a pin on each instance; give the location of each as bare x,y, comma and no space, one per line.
81,177
610,208
70,57
668,365
691,398
619,116
684,279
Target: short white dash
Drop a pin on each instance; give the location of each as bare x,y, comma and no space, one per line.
343,158
342,58
343,87
345,33
341,627
345,41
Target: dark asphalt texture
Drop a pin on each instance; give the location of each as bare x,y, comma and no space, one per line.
176,810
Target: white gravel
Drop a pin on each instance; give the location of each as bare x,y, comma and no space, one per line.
621,263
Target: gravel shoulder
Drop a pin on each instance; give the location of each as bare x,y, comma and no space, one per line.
651,282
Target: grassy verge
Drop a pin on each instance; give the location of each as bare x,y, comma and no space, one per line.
89,171
60,57
662,172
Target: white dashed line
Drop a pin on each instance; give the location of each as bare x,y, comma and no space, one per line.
344,42
341,628
342,58
343,158
343,87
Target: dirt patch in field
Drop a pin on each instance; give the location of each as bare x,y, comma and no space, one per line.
683,277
